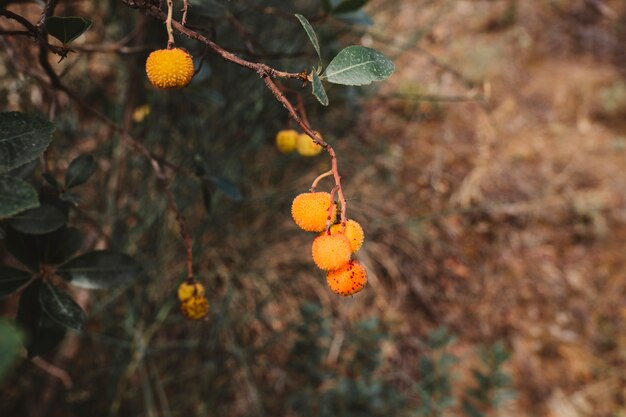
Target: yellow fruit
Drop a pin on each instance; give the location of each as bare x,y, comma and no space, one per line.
195,308
286,140
306,146
354,233
310,211
331,251
186,290
347,280
169,68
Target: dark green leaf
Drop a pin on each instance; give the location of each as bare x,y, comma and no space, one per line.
61,307
51,181
358,65
318,90
42,333
24,171
21,246
100,269
43,219
10,343
349,6
23,137
79,171
228,188
57,247
12,279
66,29
311,34
71,198
17,195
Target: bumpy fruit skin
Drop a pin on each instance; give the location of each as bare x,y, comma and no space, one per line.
286,140
195,308
331,251
347,280
354,233
187,290
169,68
306,146
310,211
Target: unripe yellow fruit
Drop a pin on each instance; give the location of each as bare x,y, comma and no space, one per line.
286,140
331,251
306,146
347,280
310,211
354,233
169,68
186,290
195,308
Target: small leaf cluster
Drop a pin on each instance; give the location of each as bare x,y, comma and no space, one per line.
35,231
354,65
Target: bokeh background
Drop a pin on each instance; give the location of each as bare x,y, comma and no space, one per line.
488,173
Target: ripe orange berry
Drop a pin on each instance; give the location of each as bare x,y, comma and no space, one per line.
169,68
186,290
354,233
286,140
347,280
331,251
195,308
306,146
310,211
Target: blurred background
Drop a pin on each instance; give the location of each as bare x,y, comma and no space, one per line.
488,174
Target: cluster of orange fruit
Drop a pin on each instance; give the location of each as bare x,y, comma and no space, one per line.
290,140
193,303
333,248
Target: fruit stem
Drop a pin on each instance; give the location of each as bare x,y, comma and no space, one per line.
185,8
318,179
168,25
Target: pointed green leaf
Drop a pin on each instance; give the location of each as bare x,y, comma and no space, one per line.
56,247
311,34
318,89
349,6
42,333
61,307
23,137
17,195
43,219
10,343
79,171
12,279
358,65
66,29
100,269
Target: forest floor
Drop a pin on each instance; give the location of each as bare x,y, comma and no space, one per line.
506,218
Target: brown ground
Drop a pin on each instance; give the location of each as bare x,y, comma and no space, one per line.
512,207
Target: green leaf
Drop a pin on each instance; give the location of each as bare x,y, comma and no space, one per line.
17,195
12,279
348,6
61,307
42,333
358,65
52,248
52,182
312,36
23,137
71,198
79,171
100,269
10,343
66,29
43,219
227,187
318,89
